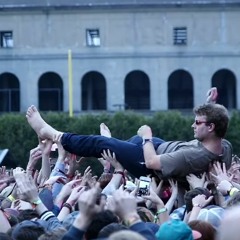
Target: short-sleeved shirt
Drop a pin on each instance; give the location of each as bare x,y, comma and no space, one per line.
179,159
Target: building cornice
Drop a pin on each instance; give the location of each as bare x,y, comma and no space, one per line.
13,5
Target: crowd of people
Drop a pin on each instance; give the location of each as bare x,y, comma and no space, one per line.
194,187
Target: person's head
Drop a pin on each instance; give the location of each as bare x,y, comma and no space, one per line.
193,193
99,221
212,214
175,229
210,118
234,200
104,179
27,214
206,229
102,200
27,230
4,236
111,228
12,216
229,228
125,235
55,234
145,214
234,170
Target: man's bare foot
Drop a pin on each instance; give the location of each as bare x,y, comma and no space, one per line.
104,130
43,130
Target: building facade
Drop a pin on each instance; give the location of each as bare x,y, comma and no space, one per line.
139,55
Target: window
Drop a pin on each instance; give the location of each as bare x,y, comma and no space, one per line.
93,37
6,39
180,36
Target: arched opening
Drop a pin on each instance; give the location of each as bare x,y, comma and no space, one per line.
50,92
225,82
94,91
9,93
180,90
137,91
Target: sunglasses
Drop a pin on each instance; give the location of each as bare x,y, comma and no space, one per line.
198,122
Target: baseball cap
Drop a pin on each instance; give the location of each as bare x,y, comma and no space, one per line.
175,229
212,214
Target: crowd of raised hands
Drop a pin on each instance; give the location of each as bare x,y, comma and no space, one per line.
57,202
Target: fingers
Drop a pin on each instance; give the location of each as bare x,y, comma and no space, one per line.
108,155
224,168
203,176
87,170
209,199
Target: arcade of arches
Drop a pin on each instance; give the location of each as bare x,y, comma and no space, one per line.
136,91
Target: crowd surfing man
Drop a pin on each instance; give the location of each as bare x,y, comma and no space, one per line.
143,154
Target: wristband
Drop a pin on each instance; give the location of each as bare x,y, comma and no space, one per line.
198,205
123,176
145,140
67,205
11,198
160,211
232,191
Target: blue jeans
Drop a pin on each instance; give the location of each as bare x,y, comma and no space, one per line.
129,153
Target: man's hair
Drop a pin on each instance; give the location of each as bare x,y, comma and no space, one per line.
205,228
126,234
99,221
216,114
111,228
27,233
55,234
4,236
27,214
193,193
235,159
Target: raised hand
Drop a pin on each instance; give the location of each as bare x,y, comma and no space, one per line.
87,202
195,181
144,132
25,185
124,204
45,146
35,155
201,200
224,187
111,157
220,173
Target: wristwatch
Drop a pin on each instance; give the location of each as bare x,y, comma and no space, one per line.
145,140
197,205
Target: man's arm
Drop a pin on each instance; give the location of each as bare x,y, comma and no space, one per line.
152,160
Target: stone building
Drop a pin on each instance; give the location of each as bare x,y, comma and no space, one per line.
118,54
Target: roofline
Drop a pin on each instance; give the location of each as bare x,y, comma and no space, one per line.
106,6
